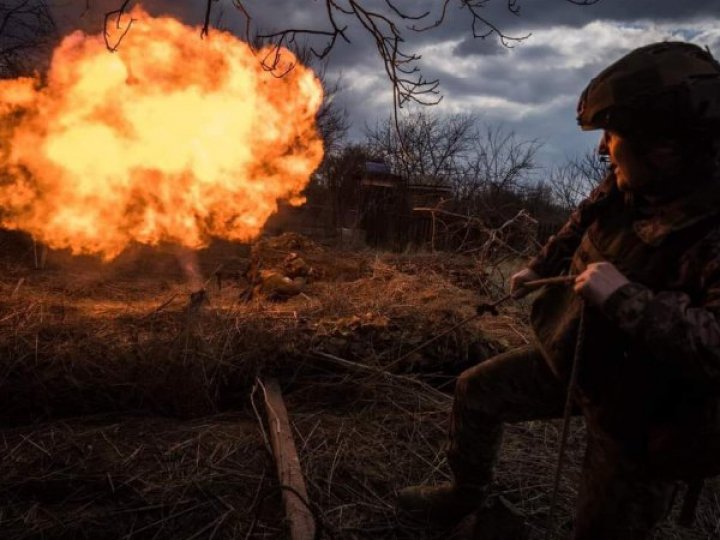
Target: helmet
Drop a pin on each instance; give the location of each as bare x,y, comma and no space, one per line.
662,88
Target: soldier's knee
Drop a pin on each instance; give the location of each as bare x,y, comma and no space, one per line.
461,386
466,378
472,385
478,375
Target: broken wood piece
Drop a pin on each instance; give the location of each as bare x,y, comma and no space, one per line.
290,476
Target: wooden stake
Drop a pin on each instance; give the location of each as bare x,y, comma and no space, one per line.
300,518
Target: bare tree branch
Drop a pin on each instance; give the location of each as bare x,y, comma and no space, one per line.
116,13
488,168
385,25
571,182
481,26
27,33
386,30
206,25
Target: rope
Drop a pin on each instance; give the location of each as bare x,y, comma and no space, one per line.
695,486
572,384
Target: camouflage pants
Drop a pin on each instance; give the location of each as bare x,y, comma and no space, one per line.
617,500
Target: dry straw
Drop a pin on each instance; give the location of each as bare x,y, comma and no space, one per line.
127,415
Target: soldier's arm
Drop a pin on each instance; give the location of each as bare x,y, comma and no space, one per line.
555,255
675,331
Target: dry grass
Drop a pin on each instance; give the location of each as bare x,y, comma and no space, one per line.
125,477
78,341
127,412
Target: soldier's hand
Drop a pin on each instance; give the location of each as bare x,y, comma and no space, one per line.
518,279
599,280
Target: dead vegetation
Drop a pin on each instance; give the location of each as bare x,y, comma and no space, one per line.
130,411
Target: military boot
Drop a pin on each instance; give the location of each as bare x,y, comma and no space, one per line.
443,505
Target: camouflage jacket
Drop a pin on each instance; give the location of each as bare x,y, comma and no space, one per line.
650,369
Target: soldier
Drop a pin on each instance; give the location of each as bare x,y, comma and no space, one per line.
645,247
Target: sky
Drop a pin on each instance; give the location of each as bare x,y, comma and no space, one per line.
530,88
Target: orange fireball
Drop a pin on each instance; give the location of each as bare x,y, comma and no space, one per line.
171,138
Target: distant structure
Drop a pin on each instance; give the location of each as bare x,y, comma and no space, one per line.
380,213
386,207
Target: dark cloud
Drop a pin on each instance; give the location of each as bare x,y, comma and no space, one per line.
277,14
536,52
540,13
470,46
525,75
535,83
535,14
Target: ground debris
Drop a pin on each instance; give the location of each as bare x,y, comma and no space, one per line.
139,477
124,417
74,342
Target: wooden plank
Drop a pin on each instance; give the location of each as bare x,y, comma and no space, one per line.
301,521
